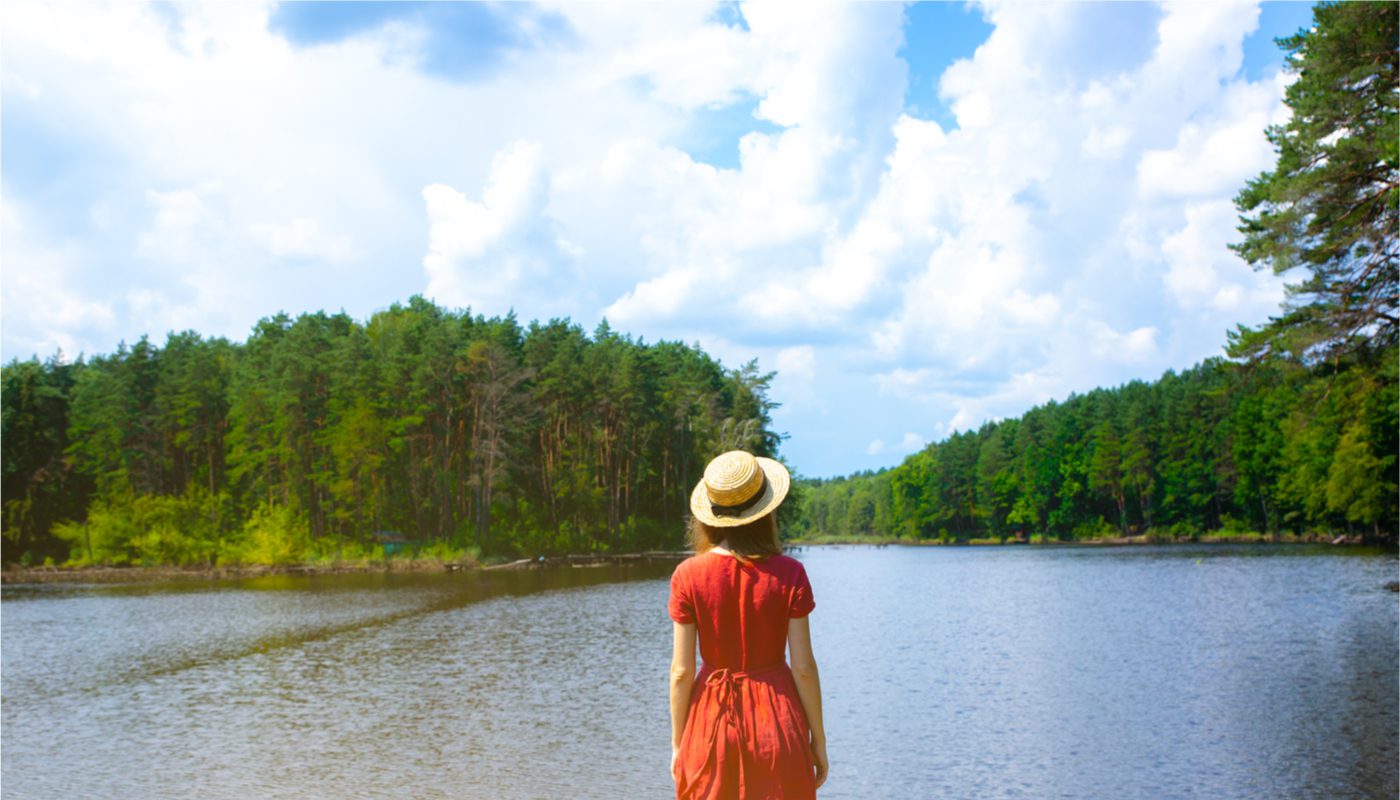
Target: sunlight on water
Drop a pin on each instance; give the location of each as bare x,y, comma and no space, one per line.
1220,672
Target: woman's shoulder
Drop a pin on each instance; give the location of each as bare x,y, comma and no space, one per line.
784,563
687,564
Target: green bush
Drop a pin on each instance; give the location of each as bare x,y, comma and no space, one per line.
447,553
1231,526
149,529
1185,531
273,534
1093,529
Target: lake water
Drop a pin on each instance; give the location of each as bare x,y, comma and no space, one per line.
1143,672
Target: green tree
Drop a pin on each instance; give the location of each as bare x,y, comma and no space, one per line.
1329,206
40,486
997,488
1106,470
1358,484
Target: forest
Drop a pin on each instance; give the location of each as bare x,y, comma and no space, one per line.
323,439
1227,449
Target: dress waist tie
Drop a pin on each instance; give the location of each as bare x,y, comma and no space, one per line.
725,683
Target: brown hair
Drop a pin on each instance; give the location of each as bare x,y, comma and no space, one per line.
752,541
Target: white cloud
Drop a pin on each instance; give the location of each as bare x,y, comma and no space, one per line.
1012,397
797,363
317,154
303,238
689,59
45,307
514,197
1138,346
1216,157
901,381
664,297
1202,272
487,253
183,227
1105,144
833,82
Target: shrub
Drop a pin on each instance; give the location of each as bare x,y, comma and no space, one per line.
273,534
149,529
1096,528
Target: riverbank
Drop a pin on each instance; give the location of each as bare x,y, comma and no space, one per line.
1108,541
154,574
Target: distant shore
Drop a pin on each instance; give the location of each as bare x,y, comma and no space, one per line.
1108,541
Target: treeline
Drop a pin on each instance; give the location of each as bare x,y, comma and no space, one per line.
1272,447
319,434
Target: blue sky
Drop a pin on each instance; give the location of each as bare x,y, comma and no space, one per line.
923,217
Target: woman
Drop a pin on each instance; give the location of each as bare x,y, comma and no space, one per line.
747,726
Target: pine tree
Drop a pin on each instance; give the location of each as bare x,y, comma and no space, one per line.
1329,206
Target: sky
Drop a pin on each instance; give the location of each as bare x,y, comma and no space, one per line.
922,217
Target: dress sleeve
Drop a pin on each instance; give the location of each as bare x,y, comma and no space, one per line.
802,602
680,607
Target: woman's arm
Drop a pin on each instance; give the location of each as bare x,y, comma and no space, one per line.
682,679
809,689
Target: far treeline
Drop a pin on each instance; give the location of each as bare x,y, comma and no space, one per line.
1296,435
320,438
1223,448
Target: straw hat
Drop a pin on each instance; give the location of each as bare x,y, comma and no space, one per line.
738,488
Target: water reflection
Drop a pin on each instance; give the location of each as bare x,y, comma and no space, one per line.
347,686
1028,672
1127,672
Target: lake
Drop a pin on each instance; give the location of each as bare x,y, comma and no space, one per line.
1014,672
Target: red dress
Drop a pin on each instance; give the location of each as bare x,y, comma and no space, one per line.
746,736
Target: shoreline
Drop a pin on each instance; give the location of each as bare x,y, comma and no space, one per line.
172,573
1113,541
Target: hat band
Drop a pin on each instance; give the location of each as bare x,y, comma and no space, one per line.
736,510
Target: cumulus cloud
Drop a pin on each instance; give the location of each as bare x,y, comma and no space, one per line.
183,227
833,82
302,238
45,308
1201,272
1028,224
1010,397
1215,157
505,246
1137,346
191,149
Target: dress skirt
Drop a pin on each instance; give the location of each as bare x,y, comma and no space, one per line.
745,738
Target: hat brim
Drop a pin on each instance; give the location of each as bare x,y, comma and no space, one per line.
775,489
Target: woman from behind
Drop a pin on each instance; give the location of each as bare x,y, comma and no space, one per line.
748,724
